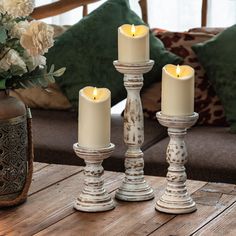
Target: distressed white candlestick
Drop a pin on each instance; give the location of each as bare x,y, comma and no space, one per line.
134,186
176,199
93,198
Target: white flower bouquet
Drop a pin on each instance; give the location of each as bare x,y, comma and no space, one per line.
23,42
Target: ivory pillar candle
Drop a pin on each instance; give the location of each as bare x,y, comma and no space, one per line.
133,44
94,117
177,90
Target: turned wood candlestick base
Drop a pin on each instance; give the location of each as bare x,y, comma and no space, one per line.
134,186
176,199
93,198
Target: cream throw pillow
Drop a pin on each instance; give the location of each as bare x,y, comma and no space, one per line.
52,98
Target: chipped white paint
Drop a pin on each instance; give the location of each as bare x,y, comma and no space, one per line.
176,199
93,198
134,186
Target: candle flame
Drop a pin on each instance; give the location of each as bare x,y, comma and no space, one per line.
95,93
133,30
178,70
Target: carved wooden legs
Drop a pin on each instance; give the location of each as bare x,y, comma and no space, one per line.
93,198
176,199
134,186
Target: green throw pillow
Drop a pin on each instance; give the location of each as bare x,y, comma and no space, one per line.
89,48
218,57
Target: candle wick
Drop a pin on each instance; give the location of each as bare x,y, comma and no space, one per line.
133,35
94,98
178,76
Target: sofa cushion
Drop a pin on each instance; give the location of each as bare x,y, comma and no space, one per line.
212,150
88,50
207,30
211,155
218,56
207,103
55,132
50,98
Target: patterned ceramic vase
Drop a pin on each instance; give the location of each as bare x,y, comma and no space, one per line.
13,150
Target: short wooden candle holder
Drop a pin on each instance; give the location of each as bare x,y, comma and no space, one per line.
93,198
134,186
176,199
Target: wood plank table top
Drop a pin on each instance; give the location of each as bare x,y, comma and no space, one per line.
49,208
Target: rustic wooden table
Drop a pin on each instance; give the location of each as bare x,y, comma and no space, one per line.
49,209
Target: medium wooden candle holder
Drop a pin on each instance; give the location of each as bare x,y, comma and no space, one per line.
134,186
176,199
93,198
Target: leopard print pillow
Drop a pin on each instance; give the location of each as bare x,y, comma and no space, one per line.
207,30
207,104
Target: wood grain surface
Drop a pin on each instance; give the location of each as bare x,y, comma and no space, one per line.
49,208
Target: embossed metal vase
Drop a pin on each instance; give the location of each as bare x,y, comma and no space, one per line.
14,151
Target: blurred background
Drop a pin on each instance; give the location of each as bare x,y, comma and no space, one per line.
173,15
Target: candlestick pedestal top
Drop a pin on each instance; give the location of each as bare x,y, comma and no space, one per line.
177,121
176,199
134,68
93,198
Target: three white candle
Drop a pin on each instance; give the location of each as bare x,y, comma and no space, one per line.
94,117
177,97
94,104
133,44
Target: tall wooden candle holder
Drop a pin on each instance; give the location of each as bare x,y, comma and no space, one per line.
134,186
93,198
176,199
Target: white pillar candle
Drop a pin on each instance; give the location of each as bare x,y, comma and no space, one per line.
177,97
94,117
133,44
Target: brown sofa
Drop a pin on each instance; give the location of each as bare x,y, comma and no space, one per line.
212,150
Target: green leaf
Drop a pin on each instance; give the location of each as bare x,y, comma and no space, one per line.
3,35
3,84
59,72
52,68
38,78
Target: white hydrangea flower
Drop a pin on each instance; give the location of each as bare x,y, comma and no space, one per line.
38,38
12,59
1,7
4,63
34,61
38,61
18,8
19,28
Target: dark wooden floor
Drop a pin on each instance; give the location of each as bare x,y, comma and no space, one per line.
49,209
